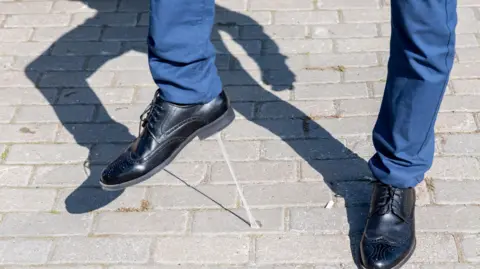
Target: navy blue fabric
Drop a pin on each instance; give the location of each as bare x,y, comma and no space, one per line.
181,56
421,57
182,63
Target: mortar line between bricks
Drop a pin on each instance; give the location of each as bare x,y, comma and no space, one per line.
458,245
252,250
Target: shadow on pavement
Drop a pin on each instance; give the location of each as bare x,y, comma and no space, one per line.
339,167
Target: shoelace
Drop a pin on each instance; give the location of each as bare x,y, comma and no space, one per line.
152,113
388,203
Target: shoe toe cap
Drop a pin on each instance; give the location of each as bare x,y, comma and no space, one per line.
119,171
381,255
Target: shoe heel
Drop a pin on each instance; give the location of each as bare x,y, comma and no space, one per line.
218,125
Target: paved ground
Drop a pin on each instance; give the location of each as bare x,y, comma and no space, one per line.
74,80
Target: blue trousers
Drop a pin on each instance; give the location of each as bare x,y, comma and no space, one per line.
182,63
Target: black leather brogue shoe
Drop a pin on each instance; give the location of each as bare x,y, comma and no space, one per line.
389,237
166,129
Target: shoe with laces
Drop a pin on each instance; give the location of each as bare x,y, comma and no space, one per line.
389,237
165,129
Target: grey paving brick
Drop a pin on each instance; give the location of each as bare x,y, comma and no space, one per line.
47,153
366,15
133,78
87,199
305,17
438,266
466,87
49,63
365,74
455,122
455,168
221,221
6,62
76,79
452,219
468,55
86,48
296,109
291,194
125,34
248,18
466,41
435,247
244,110
252,78
254,172
18,133
346,4
467,70
76,7
141,223
287,46
460,104
24,49
123,113
468,3
273,32
15,35
132,5
238,47
359,107
106,19
132,250
319,220
338,61
304,149
281,77
14,176
302,249
94,133
202,250
192,173
254,93
331,91
210,151
180,197
67,34
264,129
83,96
18,79
325,128
58,267
461,144
45,20
344,31
144,19
26,199
363,44
24,251
6,113
450,192
281,5
54,175
44,224
107,152
340,170
26,7
48,114
121,63
471,248
269,62
361,145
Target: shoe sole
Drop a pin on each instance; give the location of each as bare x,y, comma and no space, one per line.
203,133
402,263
